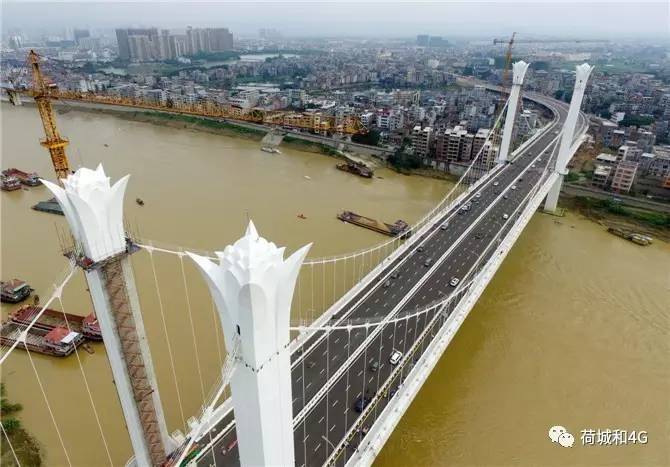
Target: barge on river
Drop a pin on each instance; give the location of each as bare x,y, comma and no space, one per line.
357,168
634,237
87,326
9,183
14,291
399,228
30,179
58,342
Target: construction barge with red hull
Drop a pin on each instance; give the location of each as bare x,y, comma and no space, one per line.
399,228
88,326
30,179
54,333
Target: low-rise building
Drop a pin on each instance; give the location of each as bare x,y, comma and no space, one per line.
624,176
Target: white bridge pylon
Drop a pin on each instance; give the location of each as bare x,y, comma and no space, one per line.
252,286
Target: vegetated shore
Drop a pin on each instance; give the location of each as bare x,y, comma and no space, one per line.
611,214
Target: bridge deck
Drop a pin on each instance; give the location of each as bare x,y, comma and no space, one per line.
453,251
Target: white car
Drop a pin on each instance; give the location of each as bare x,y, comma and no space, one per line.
444,226
454,281
495,183
395,357
478,195
505,216
513,187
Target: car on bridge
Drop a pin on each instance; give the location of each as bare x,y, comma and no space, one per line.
496,183
428,262
444,226
387,284
395,357
361,403
374,366
505,216
454,281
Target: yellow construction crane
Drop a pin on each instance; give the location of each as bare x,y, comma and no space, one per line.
54,142
513,40
508,61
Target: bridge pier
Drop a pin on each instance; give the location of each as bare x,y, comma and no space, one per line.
565,149
252,287
94,211
519,71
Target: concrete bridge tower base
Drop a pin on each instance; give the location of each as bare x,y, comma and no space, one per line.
252,286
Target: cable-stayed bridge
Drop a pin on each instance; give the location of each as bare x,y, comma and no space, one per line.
328,386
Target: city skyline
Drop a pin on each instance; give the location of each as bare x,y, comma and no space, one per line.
372,19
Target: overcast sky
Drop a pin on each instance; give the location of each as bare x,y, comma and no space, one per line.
606,19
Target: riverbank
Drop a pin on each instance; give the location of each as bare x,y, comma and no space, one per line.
611,214
227,128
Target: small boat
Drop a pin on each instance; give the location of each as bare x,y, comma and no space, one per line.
307,177
139,201
270,149
302,216
106,145
14,291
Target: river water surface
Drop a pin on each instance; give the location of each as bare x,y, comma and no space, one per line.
572,331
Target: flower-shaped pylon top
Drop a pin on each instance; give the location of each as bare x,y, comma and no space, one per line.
519,71
252,286
582,74
94,209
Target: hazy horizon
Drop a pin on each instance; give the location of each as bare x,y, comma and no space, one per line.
607,20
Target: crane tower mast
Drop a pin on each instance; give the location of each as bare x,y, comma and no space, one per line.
53,141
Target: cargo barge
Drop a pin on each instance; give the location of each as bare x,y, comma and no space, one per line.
50,319
9,183
30,179
57,342
14,291
399,228
637,238
356,168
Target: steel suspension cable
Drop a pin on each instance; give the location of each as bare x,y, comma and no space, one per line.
88,388
46,401
167,338
190,319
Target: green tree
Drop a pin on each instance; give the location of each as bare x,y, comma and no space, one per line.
370,138
25,447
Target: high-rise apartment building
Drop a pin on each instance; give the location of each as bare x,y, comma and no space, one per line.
454,144
421,139
142,45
